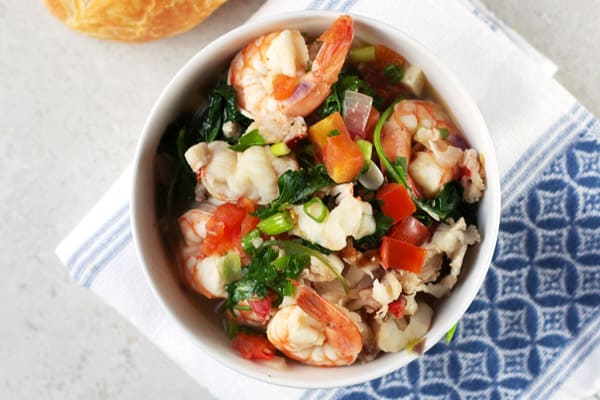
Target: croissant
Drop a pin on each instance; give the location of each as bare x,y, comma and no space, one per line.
132,20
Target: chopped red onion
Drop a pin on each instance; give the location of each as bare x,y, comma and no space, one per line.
356,110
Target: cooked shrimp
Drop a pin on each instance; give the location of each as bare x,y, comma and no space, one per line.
275,81
192,224
315,332
200,273
230,175
435,162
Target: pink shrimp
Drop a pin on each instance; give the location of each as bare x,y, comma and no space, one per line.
272,80
199,271
434,161
314,331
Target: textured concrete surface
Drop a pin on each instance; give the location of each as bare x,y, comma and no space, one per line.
62,145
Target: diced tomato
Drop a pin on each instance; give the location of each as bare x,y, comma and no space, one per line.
261,307
373,74
396,308
410,230
343,158
319,132
397,202
283,86
225,228
371,123
341,155
397,254
253,347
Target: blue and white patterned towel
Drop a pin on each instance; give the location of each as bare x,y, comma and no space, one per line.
537,316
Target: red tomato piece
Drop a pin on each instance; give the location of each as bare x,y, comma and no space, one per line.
225,228
253,347
396,308
397,254
410,230
397,202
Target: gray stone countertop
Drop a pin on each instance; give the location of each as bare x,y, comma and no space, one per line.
68,130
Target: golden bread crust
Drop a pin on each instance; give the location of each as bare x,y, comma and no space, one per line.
132,20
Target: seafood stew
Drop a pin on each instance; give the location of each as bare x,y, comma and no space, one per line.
319,199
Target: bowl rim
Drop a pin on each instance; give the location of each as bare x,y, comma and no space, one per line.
262,25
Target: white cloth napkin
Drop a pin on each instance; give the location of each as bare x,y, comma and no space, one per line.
537,316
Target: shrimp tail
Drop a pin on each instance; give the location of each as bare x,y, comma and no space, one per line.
341,332
314,87
336,44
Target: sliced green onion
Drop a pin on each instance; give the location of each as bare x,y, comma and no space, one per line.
444,133
280,149
362,54
366,148
281,263
393,73
293,247
231,267
252,138
277,223
334,132
315,209
248,241
450,333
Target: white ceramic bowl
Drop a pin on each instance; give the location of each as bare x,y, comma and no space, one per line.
198,320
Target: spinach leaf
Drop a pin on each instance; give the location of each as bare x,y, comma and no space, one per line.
445,205
267,271
206,125
252,138
296,187
182,180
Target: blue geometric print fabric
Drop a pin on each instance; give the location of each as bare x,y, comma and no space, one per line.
538,312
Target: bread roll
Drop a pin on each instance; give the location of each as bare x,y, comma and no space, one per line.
132,20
